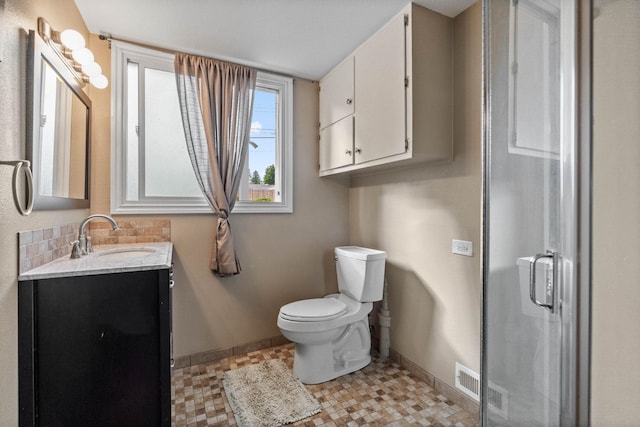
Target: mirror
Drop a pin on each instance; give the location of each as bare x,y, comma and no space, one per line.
58,131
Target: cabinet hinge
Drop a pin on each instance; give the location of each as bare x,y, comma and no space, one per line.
406,82
514,68
406,145
406,19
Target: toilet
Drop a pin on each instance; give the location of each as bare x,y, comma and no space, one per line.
331,334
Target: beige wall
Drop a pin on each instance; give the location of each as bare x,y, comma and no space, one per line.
413,214
616,216
284,257
20,17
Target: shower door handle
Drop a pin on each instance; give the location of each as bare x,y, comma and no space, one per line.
551,286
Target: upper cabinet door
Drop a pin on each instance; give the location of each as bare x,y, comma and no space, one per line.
380,71
336,94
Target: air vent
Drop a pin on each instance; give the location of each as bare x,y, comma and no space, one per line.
468,381
498,400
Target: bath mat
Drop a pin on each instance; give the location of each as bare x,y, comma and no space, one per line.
267,394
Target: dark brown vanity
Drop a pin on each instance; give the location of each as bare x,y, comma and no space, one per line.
95,341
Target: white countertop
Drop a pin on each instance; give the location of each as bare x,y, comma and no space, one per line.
107,259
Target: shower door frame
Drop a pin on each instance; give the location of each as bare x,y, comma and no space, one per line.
576,330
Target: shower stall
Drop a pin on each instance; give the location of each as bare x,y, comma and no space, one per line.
561,202
536,212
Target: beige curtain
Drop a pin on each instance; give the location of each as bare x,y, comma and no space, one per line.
216,99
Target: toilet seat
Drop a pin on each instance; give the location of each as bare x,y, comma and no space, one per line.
313,310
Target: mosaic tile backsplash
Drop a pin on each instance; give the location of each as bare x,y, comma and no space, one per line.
131,231
38,247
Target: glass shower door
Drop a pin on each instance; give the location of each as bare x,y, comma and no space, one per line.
529,207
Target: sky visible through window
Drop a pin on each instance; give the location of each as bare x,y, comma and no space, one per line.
262,151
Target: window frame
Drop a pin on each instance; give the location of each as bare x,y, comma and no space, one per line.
121,54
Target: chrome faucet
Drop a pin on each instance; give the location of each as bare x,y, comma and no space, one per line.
82,246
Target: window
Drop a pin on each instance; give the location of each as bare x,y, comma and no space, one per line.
151,171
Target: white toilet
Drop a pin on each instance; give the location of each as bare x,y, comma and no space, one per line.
331,334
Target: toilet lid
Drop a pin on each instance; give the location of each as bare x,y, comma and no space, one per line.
312,310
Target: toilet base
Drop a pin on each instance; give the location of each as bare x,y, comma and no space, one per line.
349,352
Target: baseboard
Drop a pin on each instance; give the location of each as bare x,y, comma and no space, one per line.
218,354
459,398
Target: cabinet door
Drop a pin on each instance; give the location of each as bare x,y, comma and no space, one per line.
102,350
336,145
336,94
380,71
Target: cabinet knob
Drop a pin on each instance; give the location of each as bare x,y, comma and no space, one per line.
358,150
347,152
349,101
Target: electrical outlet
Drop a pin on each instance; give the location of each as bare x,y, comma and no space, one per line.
462,247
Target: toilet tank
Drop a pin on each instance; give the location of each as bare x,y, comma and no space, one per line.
360,272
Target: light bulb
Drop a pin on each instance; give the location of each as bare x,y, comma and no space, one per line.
71,39
99,82
92,69
82,56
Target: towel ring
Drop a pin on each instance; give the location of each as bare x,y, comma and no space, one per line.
18,166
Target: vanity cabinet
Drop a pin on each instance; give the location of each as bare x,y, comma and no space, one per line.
95,350
403,106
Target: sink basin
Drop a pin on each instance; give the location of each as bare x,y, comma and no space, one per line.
124,253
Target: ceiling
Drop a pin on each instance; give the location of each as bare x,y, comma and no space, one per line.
303,38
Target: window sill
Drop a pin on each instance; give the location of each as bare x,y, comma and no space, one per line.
198,209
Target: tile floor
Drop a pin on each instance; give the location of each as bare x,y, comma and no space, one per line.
382,394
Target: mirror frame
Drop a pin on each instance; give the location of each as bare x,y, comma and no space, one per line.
39,51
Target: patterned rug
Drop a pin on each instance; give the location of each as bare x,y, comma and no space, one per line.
267,394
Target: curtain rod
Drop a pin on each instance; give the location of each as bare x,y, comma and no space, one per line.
172,51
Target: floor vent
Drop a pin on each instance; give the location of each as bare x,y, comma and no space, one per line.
498,400
468,381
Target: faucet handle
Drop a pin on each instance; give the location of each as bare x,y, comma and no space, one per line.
89,245
75,249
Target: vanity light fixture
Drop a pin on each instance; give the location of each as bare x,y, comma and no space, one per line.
70,46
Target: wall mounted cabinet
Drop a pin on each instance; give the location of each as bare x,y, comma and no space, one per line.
402,98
